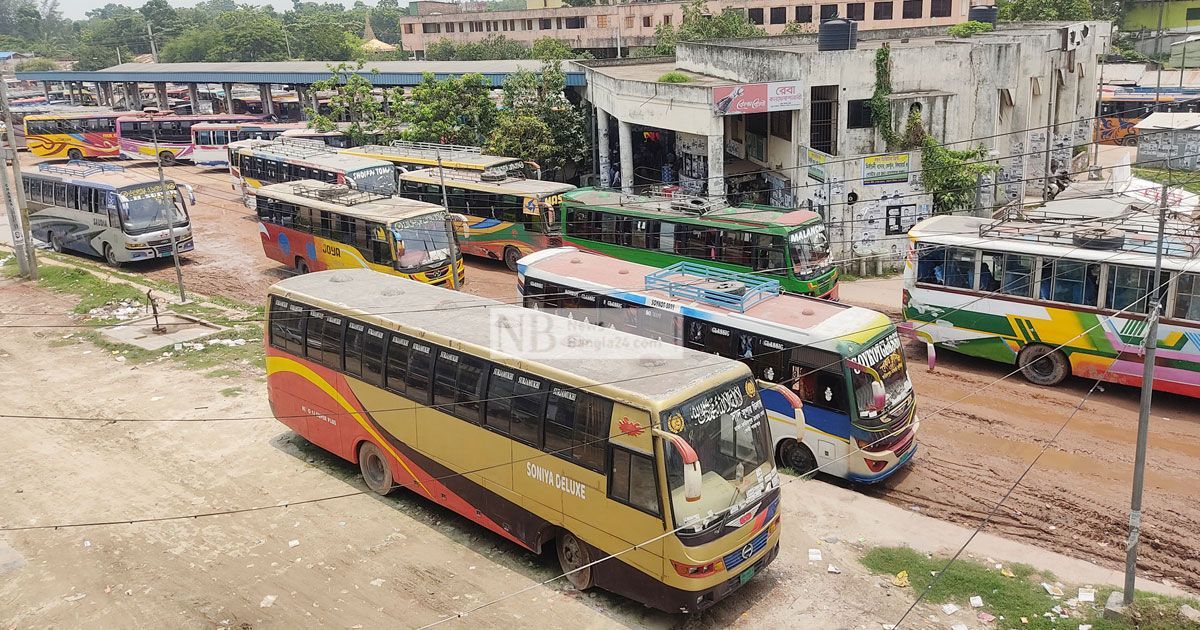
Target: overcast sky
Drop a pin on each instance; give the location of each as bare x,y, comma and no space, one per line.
75,9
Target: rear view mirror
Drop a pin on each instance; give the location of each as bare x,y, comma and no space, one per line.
693,476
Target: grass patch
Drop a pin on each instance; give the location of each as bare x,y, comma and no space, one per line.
674,77
231,392
93,292
222,373
1019,596
1175,178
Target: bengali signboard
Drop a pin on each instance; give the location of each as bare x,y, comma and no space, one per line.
816,165
885,169
757,98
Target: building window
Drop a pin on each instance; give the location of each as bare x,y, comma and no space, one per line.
1192,14
408,29
912,9
647,21
575,22
858,114
512,25
756,16
939,8
431,28
667,19
449,27
822,119
781,125
544,24
629,22
558,23
602,21
828,11
857,11
804,14
778,15
883,10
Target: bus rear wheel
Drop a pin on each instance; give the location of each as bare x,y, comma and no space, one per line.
1043,365
110,256
74,154
511,256
572,555
301,266
375,470
166,158
56,242
795,455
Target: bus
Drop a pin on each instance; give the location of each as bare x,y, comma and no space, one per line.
668,465
211,140
506,217
819,364
1015,291
790,246
104,210
312,226
1122,108
136,134
409,156
74,135
257,163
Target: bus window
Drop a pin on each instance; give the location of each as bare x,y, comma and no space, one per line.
960,268
991,265
611,315
666,237
528,409
445,379
631,480
287,326
1071,282
576,426
1128,289
608,228
765,356
645,234
820,388
472,375
659,325
1018,275
60,195
1187,301
72,197
736,247
355,332
397,364
770,256
420,367
372,356
931,264
204,137
323,342
500,390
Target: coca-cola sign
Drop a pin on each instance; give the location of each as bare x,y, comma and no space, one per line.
756,98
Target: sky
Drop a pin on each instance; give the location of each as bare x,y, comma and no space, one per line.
75,9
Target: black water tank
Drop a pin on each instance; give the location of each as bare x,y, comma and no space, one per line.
837,34
983,14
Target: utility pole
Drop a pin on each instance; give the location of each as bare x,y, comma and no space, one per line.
449,225
153,48
287,44
169,202
1095,162
26,251
118,55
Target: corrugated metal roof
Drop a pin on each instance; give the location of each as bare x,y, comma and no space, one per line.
302,72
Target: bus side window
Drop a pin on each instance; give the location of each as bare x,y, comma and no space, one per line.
764,356
528,409
818,387
60,195
397,364
631,480
608,227
372,356
420,368
578,222
287,327
471,384
304,219
362,232
735,247
1071,282
1187,300
354,340
576,424
324,340
72,196
931,264
666,236
1018,275
960,268
500,390
1128,289
445,376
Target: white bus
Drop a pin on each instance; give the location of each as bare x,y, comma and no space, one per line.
104,210
211,140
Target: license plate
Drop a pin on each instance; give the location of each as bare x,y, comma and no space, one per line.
746,575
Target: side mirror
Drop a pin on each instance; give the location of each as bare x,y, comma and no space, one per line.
191,193
462,222
878,391
693,476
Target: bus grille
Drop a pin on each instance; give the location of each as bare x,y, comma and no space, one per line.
734,558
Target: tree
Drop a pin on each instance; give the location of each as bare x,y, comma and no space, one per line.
454,110
952,175
163,17
441,50
580,3
550,48
385,19
324,41
353,99
699,23
1045,10
533,103
246,34
36,65
191,45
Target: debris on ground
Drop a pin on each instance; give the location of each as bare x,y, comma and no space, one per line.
976,601
1087,595
901,579
949,609
833,569
1055,590
814,555
123,310
267,601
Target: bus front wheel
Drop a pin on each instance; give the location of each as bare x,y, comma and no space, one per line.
573,556
110,256
74,154
1043,365
795,455
301,266
166,158
375,470
511,256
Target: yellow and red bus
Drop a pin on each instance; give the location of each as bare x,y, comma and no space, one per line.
659,454
73,135
310,225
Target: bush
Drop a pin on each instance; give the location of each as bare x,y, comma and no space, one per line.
36,65
967,29
674,77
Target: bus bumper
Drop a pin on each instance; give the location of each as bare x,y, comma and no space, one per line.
677,600
876,478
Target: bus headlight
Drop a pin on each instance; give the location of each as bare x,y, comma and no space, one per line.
698,570
136,246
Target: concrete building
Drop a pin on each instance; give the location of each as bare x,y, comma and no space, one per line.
775,120
607,27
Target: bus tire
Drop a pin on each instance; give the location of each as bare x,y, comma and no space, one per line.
301,266
55,242
1043,365
795,455
375,470
110,256
166,158
74,154
511,256
573,554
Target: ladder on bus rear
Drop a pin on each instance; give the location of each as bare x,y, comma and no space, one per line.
711,285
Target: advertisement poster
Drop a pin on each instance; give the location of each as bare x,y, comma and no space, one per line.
885,169
757,98
816,165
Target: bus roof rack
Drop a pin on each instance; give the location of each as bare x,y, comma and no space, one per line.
80,168
711,285
430,149
297,147
341,194
1134,231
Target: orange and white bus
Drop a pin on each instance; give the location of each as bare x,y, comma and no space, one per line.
73,135
656,459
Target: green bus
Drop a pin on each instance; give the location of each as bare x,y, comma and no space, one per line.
787,245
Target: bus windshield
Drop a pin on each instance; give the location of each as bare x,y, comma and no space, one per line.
145,210
421,241
886,357
809,250
380,179
727,427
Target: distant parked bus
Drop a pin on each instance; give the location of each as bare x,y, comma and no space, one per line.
832,377
74,135
311,226
1122,108
104,210
137,134
256,163
211,140
507,217
651,478
790,246
409,156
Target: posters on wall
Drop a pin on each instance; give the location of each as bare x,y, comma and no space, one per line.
885,169
816,165
692,150
781,190
757,98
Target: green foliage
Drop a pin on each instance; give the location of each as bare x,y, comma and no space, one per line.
880,105
969,28
580,3
353,99
455,110
36,65
952,175
385,20
796,28
244,34
551,48
319,40
699,23
492,47
538,123
1045,10
674,77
